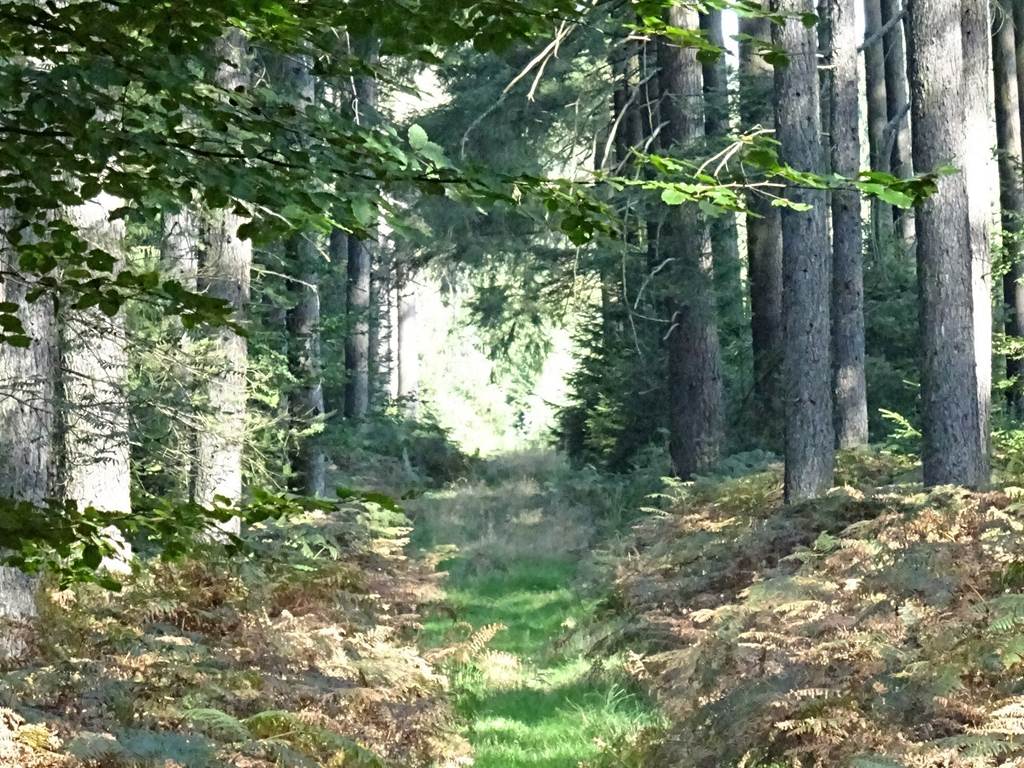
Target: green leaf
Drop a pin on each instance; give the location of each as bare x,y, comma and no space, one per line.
673,196
418,138
92,556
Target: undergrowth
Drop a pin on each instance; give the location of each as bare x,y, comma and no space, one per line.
880,626
297,656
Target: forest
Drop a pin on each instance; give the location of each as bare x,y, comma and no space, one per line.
511,383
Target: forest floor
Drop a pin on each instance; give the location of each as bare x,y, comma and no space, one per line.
516,620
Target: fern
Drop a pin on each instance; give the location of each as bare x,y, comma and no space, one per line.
471,648
275,726
101,748
217,724
875,761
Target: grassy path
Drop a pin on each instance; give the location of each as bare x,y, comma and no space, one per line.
530,698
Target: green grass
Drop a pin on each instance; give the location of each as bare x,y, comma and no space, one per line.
559,713
555,711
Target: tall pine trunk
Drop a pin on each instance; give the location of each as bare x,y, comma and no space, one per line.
1011,189
94,387
764,235
28,447
949,379
360,263
224,273
407,364
851,403
980,172
179,261
878,118
357,343
306,401
725,249
806,266
695,375
898,110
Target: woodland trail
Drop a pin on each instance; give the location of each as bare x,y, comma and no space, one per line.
528,691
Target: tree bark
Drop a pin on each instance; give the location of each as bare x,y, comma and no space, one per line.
695,375
850,386
806,267
898,110
28,447
94,367
1018,26
179,259
874,73
949,378
979,171
725,249
357,343
225,274
764,236
306,402
360,265
1011,190
408,343
93,383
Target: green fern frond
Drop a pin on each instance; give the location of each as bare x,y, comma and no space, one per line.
875,761
217,724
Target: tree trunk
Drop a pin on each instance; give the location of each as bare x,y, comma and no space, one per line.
94,362
224,274
695,375
1018,26
306,402
94,371
764,236
408,343
806,267
179,261
898,110
725,249
336,302
980,171
874,73
1011,190
360,265
851,404
949,378
27,440
357,344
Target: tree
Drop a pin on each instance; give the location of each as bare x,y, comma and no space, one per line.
695,376
93,383
224,274
874,73
952,452
725,251
764,231
408,349
851,403
806,271
28,374
1011,188
979,173
306,402
360,265
897,107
